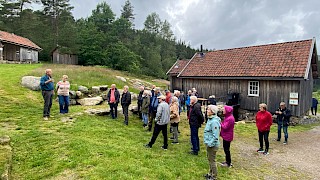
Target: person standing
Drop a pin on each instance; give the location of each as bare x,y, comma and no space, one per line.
140,101
263,123
283,119
227,128
153,106
125,102
63,88
168,96
314,106
211,140
113,98
174,119
182,102
145,107
47,88
188,101
161,121
195,120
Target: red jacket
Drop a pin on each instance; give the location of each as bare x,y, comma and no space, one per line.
263,121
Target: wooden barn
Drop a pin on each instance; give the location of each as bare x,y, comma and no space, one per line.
175,82
59,57
17,48
257,74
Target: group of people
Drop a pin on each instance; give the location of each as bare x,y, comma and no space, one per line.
159,110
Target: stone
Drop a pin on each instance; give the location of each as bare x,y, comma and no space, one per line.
78,94
83,89
99,112
104,96
72,102
133,108
103,87
121,78
95,89
90,101
31,82
4,140
67,119
72,94
134,96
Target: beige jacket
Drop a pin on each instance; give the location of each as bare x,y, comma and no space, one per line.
174,113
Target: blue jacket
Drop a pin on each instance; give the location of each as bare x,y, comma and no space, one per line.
46,87
188,100
314,102
212,132
154,103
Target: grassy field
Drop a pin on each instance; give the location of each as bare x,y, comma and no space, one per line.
95,147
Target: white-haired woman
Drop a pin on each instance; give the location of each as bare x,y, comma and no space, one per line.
63,87
174,118
211,139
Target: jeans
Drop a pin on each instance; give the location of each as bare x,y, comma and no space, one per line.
113,110
264,136
156,131
211,155
145,118
47,97
285,131
226,148
195,138
125,110
64,104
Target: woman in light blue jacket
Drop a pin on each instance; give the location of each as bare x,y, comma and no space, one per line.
211,139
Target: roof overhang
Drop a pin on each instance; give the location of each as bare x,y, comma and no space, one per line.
22,45
243,78
306,75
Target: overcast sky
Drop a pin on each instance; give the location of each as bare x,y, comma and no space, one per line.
221,24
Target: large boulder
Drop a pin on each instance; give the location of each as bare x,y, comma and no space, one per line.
90,101
95,89
83,89
121,78
103,87
72,94
31,82
99,112
134,96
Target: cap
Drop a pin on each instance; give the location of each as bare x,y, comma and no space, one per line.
161,97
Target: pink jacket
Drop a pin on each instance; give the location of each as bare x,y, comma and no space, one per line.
227,125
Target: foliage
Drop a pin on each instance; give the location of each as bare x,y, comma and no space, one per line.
100,39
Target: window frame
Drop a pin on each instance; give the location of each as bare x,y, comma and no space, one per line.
252,90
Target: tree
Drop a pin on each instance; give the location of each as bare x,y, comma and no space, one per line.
102,17
166,32
153,23
127,12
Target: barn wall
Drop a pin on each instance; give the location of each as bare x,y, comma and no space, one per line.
270,92
10,52
64,58
28,55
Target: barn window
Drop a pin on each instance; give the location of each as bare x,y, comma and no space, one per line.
253,88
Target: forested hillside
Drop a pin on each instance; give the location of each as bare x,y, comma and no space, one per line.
100,39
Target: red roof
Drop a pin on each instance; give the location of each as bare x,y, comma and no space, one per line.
17,40
289,59
178,66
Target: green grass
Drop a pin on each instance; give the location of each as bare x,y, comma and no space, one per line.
94,147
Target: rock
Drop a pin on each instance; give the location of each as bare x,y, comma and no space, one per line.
72,94
103,87
133,108
95,89
67,119
78,94
121,78
90,101
4,140
72,102
104,96
99,112
83,89
240,122
134,96
31,82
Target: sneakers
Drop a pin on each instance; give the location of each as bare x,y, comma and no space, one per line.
209,177
45,118
164,148
285,142
265,153
260,150
225,164
175,143
147,146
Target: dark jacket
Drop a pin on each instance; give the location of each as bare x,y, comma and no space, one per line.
46,87
284,118
195,115
116,95
314,102
140,98
126,99
145,104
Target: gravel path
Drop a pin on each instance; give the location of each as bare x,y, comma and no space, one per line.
299,159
